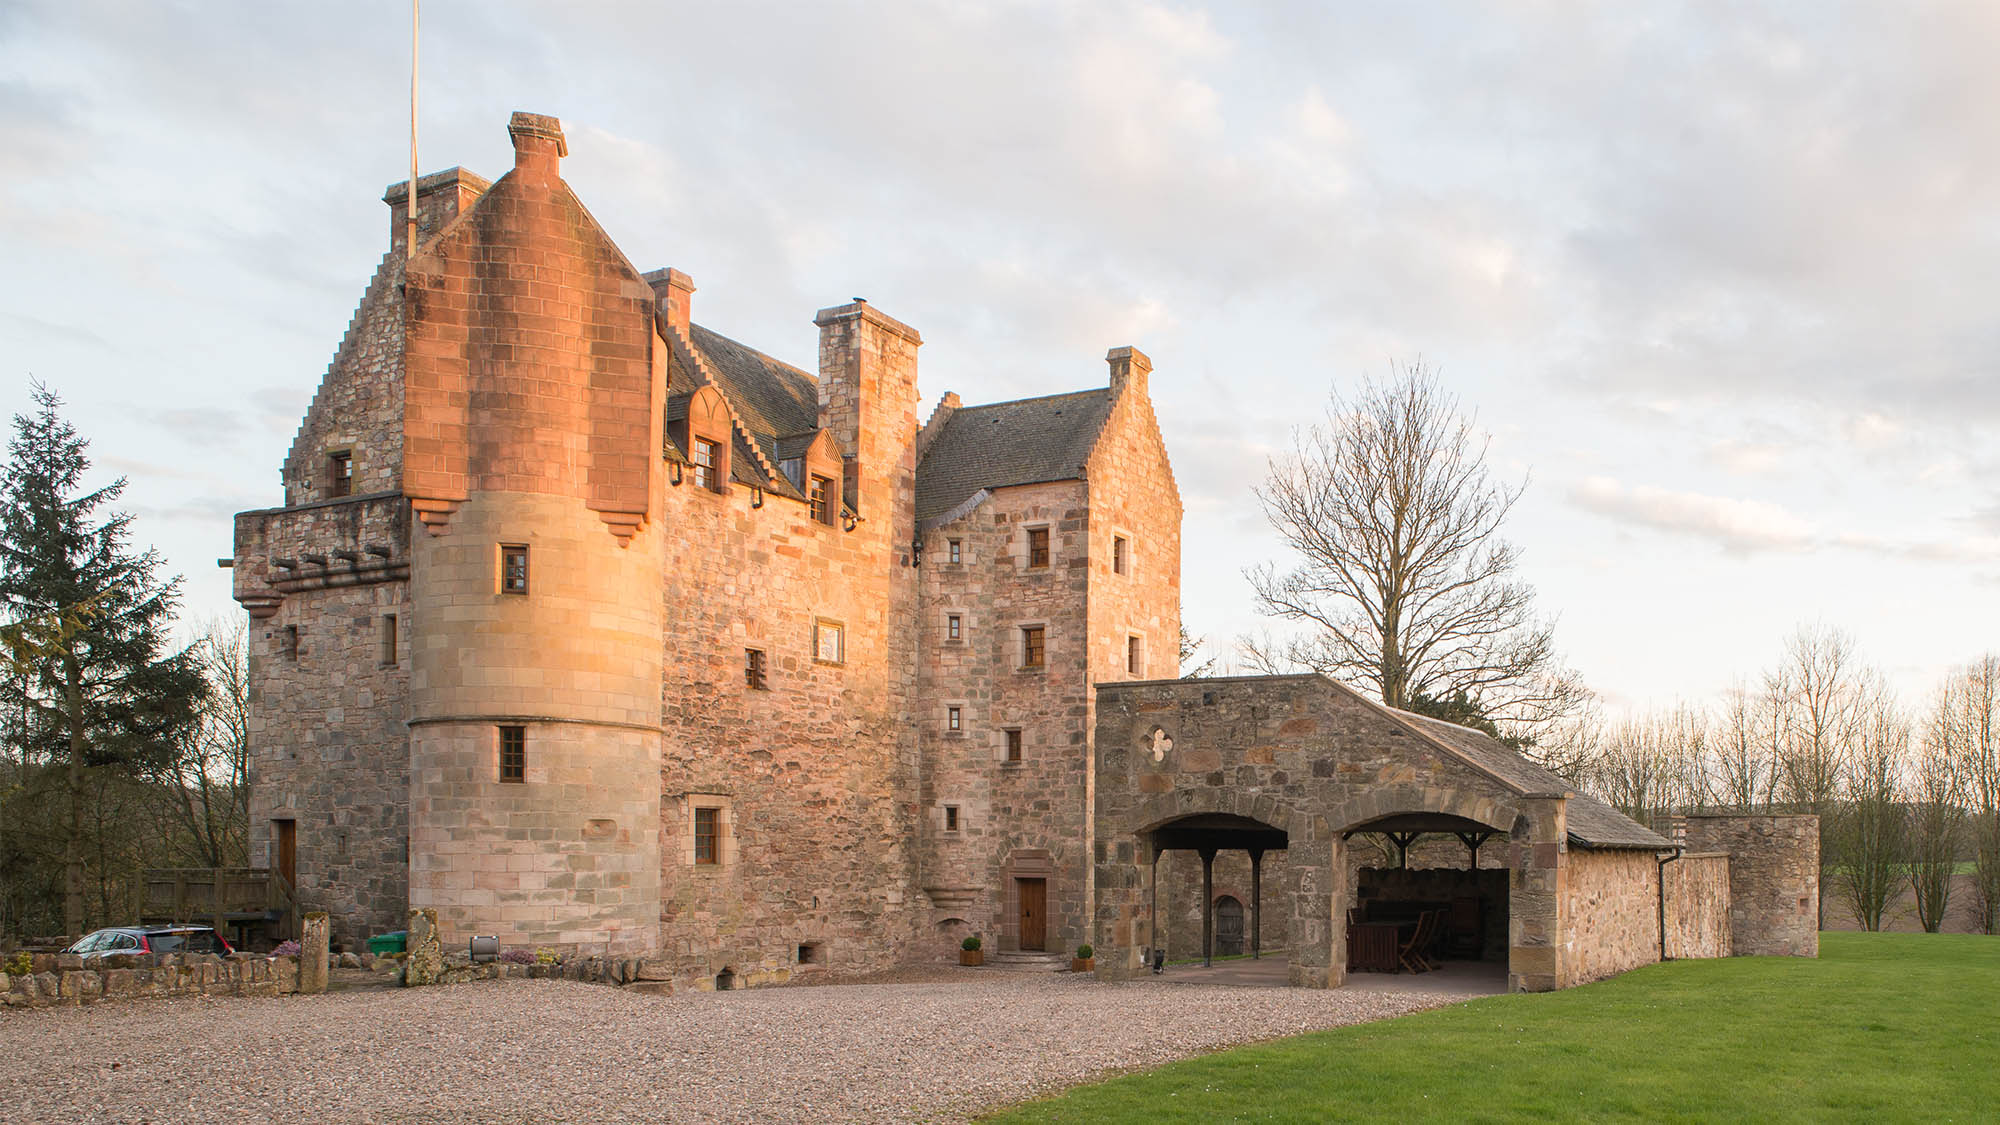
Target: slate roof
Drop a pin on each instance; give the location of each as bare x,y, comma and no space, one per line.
1027,441
1592,823
777,403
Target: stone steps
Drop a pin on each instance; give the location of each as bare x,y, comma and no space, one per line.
1026,961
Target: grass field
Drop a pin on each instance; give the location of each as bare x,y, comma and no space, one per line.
1880,1027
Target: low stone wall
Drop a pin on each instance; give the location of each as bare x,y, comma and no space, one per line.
1773,880
1611,914
62,979
1697,907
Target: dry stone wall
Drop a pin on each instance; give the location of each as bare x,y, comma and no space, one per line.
56,980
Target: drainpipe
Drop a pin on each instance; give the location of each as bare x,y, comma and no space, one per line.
1662,884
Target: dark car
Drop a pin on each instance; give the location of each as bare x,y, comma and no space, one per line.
151,939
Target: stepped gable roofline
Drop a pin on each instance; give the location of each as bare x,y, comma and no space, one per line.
772,400
1005,444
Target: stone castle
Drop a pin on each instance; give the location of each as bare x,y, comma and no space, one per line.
592,628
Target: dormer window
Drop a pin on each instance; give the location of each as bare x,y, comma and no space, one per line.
340,474
821,500
707,458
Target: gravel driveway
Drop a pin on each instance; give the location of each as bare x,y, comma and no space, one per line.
519,1050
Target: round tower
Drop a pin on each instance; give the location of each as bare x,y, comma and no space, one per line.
532,436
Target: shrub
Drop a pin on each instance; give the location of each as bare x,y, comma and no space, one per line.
285,949
518,957
1084,951
970,944
19,964
547,956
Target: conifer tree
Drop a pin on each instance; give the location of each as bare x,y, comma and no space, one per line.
87,622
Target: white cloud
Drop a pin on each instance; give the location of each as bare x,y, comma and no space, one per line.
1737,526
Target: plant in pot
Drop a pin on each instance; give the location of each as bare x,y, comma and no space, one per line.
1081,963
968,952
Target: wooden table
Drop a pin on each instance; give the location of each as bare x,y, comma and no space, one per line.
1371,947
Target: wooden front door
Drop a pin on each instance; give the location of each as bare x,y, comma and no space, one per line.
1034,912
1228,926
285,833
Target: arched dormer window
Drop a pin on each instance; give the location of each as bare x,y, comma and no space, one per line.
820,479
709,440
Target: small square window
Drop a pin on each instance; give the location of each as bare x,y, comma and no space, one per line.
1038,547
1014,744
820,500
1118,554
951,818
1135,657
953,553
388,653
340,474
1034,653
954,719
513,754
513,569
707,837
707,457
829,642
954,627
753,669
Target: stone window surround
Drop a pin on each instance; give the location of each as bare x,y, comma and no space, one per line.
725,830
1135,654
1018,738
839,641
339,471
954,551
501,553
756,668
1125,566
1027,555
951,821
950,706
1021,647
701,445
956,616
500,763
389,641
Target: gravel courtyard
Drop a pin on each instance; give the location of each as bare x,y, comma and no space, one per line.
517,1051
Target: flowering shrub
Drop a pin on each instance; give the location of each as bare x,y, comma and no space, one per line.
286,949
518,957
547,956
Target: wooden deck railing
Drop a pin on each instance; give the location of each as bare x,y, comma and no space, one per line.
222,896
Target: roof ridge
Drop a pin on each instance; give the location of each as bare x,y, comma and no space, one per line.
1033,398
794,368
699,364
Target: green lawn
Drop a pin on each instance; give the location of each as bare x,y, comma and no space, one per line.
1881,1026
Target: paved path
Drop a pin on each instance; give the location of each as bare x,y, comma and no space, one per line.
520,1050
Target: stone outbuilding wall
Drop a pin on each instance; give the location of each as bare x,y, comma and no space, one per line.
1697,906
1773,879
1612,914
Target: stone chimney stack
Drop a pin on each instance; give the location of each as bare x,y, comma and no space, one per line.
1129,368
538,147
441,196
673,292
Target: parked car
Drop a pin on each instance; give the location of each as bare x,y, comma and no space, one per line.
151,939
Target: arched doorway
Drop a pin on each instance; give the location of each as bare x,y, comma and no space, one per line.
1228,926
1420,871
1207,835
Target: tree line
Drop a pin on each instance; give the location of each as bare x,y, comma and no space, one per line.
120,748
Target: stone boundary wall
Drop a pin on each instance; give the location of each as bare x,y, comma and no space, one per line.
60,979
1697,887
1611,914
1773,879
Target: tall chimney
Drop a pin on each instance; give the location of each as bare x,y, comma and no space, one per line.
538,147
673,293
1129,368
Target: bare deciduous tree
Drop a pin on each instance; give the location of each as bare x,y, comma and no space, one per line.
206,786
1819,688
1936,818
1746,752
1974,729
1403,580
1871,824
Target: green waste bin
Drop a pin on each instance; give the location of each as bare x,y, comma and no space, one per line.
397,942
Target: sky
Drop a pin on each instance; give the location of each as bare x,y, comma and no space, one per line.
1717,278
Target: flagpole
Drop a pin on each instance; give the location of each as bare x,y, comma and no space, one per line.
410,236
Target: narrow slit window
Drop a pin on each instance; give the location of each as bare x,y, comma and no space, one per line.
513,754
707,457
513,569
1038,548
340,474
706,837
1135,656
820,501
291,642
1119,554
954,719
753,669
954,627
1014,744
951,818
388,655
1034,652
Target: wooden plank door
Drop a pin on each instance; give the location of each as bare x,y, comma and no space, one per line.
286,834
1034,913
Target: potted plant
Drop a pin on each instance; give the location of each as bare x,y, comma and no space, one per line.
968,952
1081,963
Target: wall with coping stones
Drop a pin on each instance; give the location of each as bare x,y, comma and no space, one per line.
1697,886
1773,880
62,979
1611,914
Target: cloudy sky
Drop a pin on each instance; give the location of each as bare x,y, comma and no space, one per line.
1719,282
